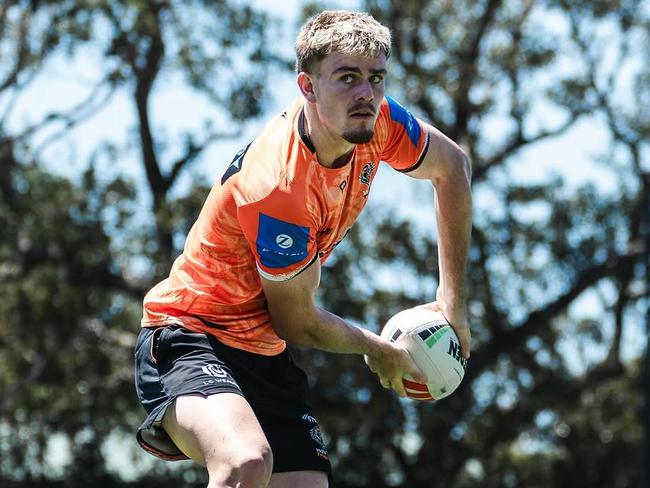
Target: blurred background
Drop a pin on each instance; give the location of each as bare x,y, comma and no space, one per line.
117,116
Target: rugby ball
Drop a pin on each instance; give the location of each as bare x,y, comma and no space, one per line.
434,347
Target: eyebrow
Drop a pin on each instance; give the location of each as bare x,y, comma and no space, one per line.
354,69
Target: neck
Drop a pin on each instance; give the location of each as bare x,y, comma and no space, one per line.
331,149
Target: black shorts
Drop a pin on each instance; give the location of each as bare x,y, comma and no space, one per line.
173,361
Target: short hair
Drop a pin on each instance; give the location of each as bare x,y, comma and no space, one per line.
342,31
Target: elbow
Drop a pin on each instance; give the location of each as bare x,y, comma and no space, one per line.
465,166
455,170
285,329
292,329
459,168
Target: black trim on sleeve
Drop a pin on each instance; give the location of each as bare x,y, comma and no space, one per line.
307,265
419,161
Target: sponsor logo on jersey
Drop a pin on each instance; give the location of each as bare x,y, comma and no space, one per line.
236,164
279,243
284,241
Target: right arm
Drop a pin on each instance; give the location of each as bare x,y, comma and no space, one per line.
298,320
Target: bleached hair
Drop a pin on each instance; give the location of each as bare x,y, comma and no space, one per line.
342,31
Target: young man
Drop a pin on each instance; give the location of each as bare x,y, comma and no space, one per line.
211,366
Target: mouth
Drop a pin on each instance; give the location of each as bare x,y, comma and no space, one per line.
362,112
362,115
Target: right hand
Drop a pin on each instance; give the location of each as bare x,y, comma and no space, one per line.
391,362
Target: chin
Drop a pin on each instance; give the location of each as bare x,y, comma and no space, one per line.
359,136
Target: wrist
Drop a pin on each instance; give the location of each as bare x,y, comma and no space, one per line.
374,345
452,298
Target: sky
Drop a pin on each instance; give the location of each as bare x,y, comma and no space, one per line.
66,82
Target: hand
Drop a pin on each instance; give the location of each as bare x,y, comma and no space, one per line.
391,363
456,315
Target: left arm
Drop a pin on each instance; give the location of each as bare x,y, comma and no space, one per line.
448,168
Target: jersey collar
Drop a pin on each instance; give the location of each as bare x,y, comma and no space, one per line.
303,133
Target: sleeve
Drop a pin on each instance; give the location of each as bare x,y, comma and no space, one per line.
405,139
281,233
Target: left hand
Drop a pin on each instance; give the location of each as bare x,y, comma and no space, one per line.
456,315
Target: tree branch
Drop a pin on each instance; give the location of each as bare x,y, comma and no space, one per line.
468,68
145,77
493,317
517,141
21,48
516,337
192,151
85,109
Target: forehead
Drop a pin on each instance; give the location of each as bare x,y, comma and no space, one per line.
335,61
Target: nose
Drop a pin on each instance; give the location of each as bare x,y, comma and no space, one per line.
365,91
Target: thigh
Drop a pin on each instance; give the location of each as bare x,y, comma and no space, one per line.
172,362
215,430
278,393
299,479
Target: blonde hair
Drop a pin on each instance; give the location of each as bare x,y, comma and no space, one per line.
351,33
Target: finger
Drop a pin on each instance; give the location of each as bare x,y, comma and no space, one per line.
398,386
430,306
415,372
419,376
465,347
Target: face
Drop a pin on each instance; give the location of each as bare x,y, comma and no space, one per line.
348,91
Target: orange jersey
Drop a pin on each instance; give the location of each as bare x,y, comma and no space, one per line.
274,211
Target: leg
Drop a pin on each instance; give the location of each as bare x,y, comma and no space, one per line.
278,392
299,479
221,432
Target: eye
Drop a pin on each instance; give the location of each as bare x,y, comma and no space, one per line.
376,79
347,79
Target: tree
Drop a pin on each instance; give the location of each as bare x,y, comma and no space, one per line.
76,258
552,392
550,396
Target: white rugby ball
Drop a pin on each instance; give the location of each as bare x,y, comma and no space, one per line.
434,347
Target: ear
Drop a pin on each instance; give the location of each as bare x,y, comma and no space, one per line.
306,85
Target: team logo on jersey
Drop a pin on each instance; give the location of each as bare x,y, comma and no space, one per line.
309,418
316,436
279,243
366,173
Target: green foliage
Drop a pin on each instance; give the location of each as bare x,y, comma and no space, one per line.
66,355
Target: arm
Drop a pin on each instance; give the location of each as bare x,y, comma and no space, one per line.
298,320
449,170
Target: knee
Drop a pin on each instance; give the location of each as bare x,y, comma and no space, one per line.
256,469
247,468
